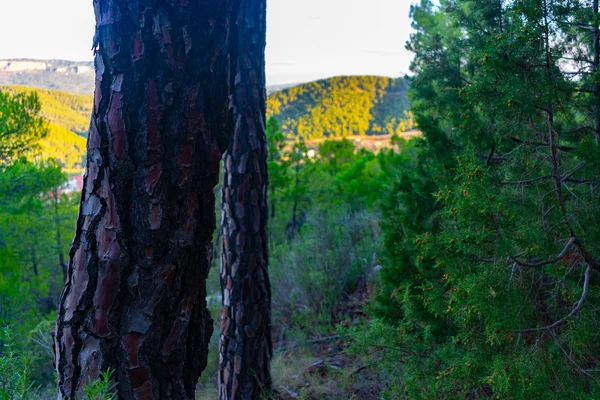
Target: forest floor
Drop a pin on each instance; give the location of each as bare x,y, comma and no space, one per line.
320,368
305,367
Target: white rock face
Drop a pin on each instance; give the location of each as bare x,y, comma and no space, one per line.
83,70
70,76
34,66
22,66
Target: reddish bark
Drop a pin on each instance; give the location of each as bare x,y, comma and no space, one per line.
134,299
245,344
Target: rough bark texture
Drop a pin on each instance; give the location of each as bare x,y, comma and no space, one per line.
245,344
134,299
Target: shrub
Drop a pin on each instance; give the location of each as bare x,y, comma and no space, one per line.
14,373
313,273
102,388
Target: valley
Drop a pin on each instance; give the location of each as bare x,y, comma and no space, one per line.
367,109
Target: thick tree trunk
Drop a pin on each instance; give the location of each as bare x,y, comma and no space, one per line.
134,299
245,344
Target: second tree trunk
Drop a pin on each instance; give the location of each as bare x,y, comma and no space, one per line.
245,345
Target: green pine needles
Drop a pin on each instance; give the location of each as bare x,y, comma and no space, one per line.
103,388
490,286
14,372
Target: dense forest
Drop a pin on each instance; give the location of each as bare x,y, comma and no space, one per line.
460,264
342,107
69,110
331,108
67,120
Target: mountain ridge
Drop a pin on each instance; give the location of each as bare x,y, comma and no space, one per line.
69,76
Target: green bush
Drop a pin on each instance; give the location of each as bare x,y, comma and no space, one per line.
39,350
102,388
311,275
14,371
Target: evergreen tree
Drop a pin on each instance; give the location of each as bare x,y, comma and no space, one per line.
277,166
490,240
21,126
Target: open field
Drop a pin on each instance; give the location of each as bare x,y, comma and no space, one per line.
371,143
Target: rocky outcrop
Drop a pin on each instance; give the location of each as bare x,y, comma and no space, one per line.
70,76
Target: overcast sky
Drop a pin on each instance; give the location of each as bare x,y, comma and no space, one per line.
306,39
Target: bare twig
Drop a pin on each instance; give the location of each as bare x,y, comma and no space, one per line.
559,257
362,368
570,173
589,258
583,371
573,312
539,178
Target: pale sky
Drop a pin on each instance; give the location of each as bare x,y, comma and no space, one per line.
306,39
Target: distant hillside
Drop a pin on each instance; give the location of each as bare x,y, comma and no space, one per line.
65,146
71,111
342,107
69,76
336,107
68,116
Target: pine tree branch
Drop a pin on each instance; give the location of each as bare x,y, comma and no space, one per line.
539,178
562,255
575,310
583,371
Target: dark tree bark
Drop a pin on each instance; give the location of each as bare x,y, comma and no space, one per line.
245,344
134,299
34,261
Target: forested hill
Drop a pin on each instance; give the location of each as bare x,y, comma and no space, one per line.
69,110
342,106
68,117
335,107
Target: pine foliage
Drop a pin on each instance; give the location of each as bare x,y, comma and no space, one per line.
490,289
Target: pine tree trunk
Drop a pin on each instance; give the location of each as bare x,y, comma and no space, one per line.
34,261
245,345
272,201
134,299
59,246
